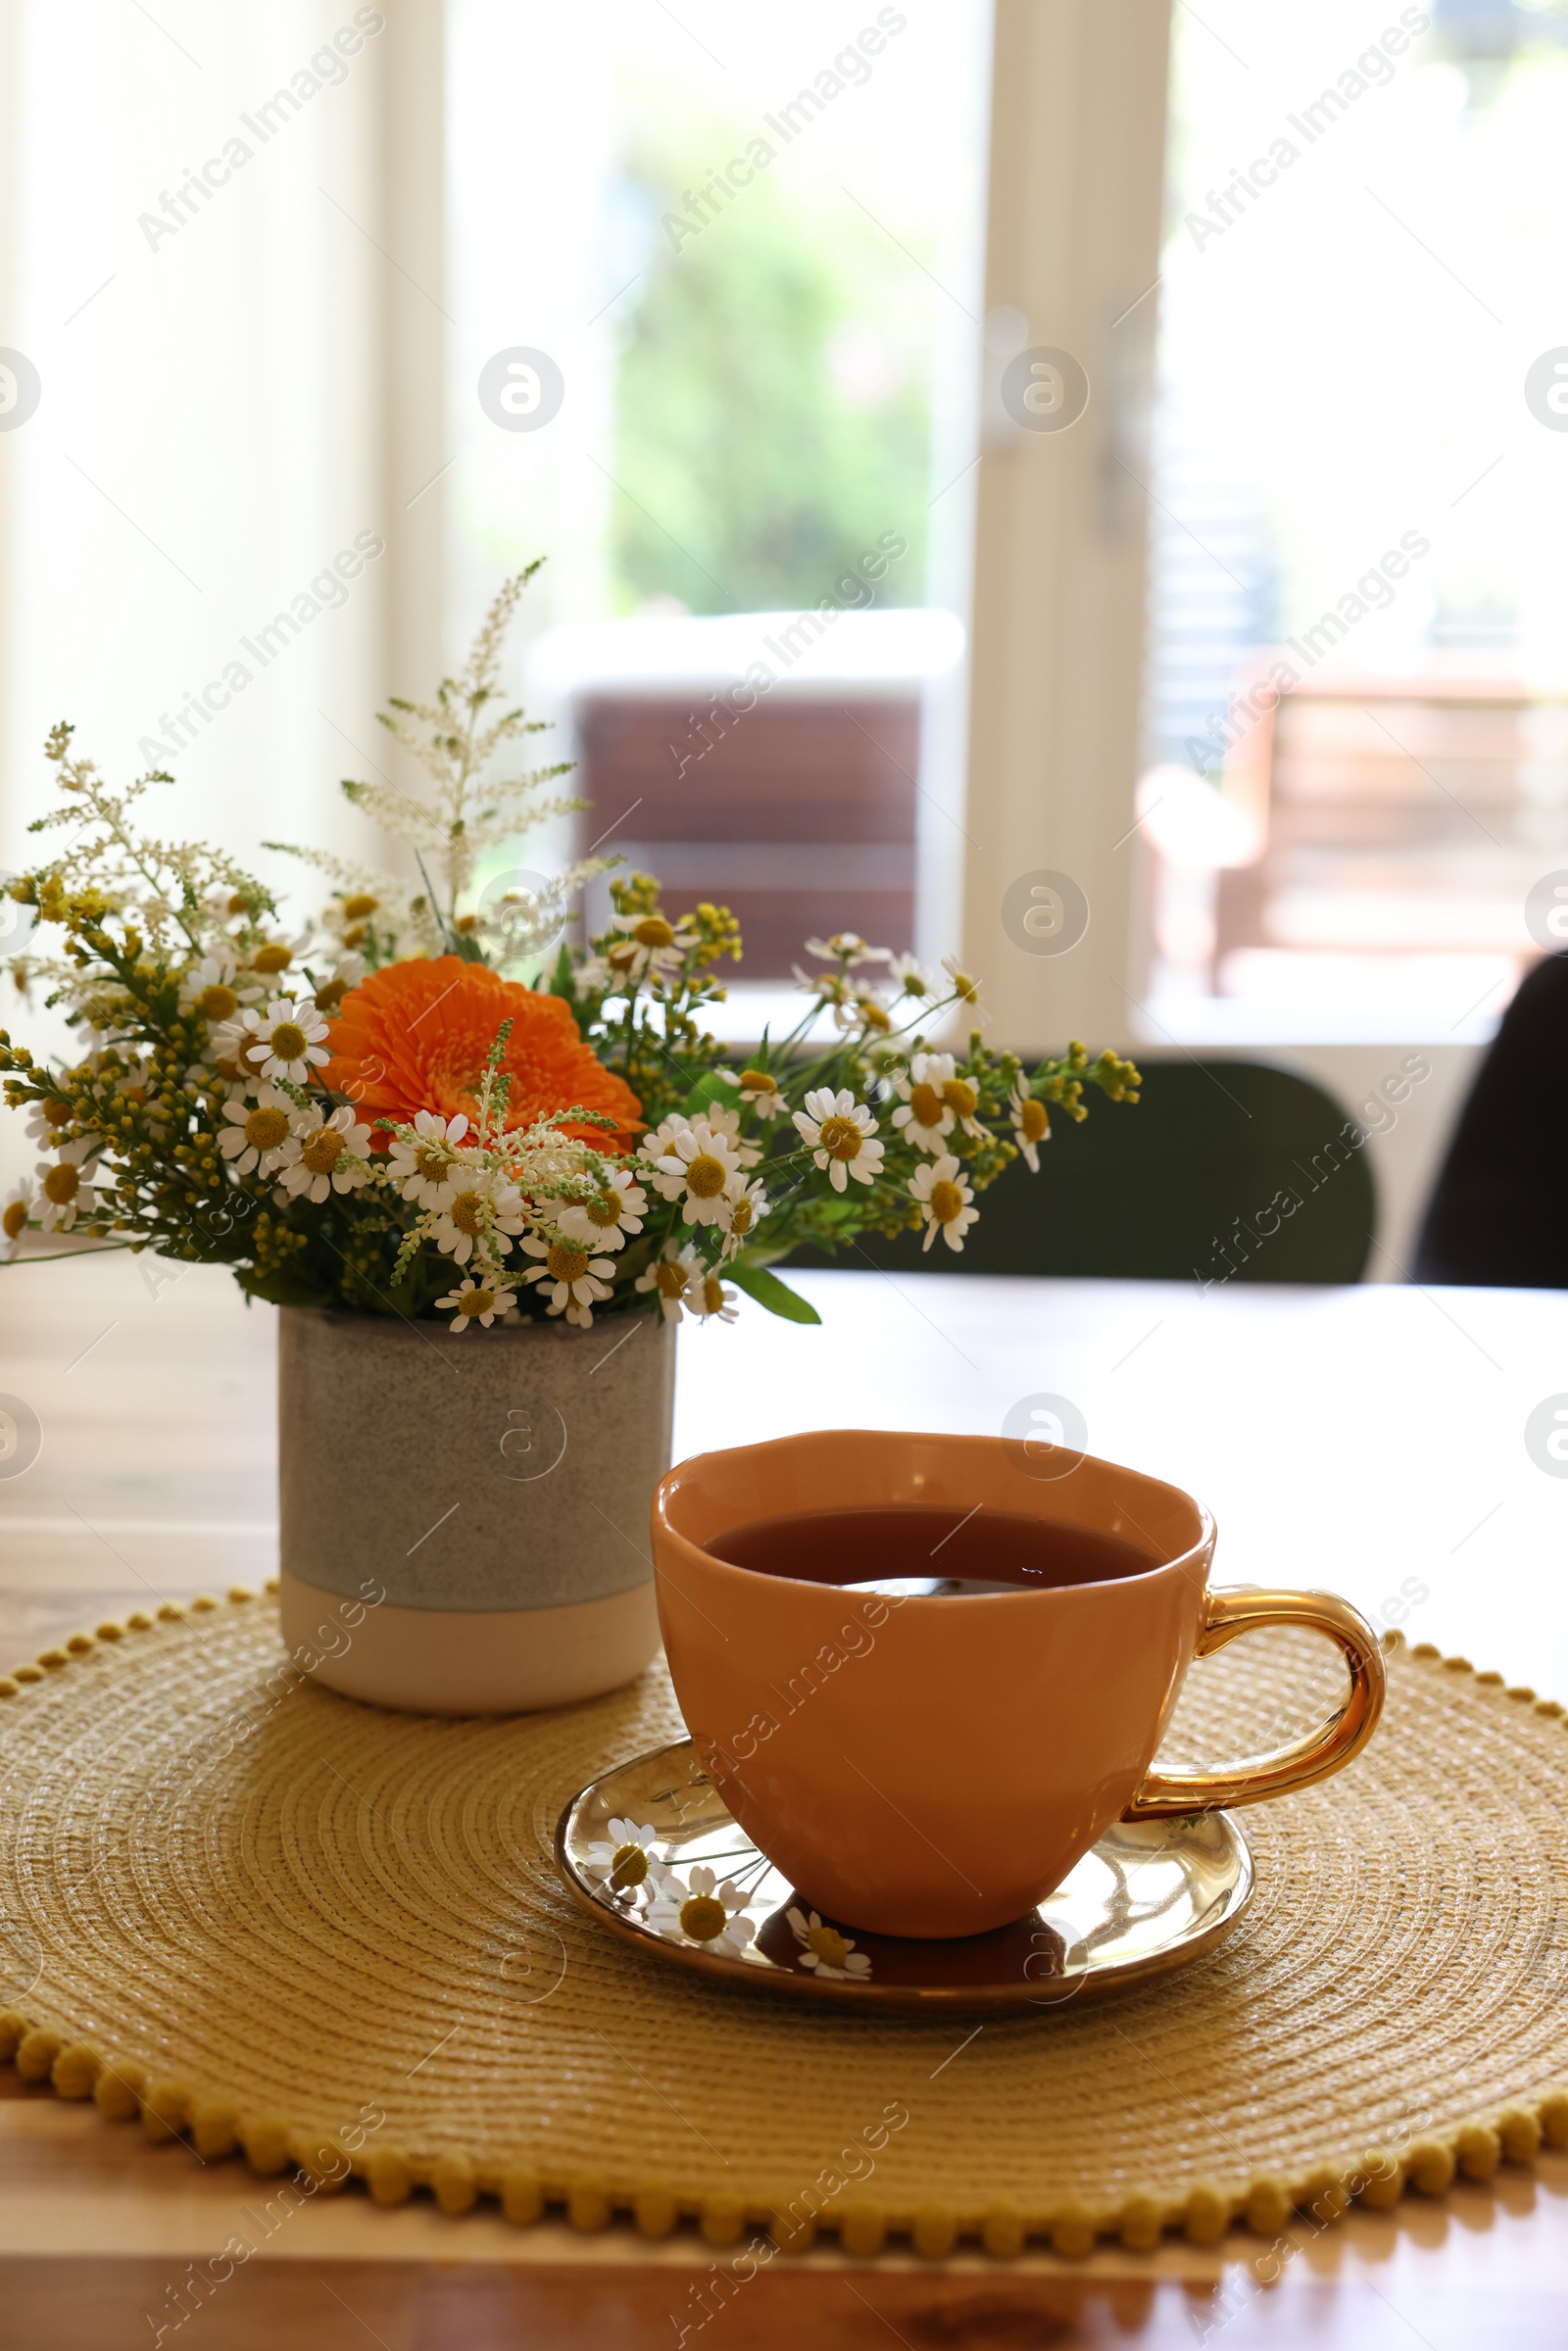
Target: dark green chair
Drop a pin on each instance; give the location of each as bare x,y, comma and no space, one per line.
1224,1171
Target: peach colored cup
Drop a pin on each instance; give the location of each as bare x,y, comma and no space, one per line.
936,1766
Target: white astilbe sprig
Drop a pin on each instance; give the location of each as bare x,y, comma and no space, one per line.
468,814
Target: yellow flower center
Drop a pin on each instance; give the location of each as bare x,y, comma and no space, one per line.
1033,1123
218,1003
274,956
926,1103
705,1176
671,1279
56,1111
237,905
713,1293
702,1917
872,1014
628,1868
467,1214
267,1129
330,995
603,1209
622,958
356,909
758,1081
479,1301
829,1946
136,1096
566,1263
430,1163
654,931
354,936
947,1203
288,1041
965,989
322,1150
960,1098
16,1217
840,1137
742,1216
60,1184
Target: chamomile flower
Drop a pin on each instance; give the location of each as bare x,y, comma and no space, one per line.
649,948
607,1216
828,987
282,1042
909,976
475,1304
421,1165
275,956
703,1911
743,1213
825,1950
671,1278
966,988
347,972
625,1857
939,1190
253,1134
62,1181
847,947
698,1169
708,1299
46,1120
841,1134
1030,1124
215,990
933,1100
480,1208
575,1282
759,1089
325,1153
14,1216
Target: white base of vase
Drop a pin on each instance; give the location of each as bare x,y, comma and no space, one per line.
471,1661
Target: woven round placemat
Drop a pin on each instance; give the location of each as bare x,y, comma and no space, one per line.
268,1919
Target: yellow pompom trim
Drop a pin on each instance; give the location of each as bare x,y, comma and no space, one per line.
76,2070
1430,2166
239,1594
139,1621
1141,2223
1206,2216
862,2231
110,1630
214,2129
789,2234
80,1642
26,1673
523,2198
269,2144
1003,2231
721,2221
204,1602
1073,2233
588,2206
165,2111
9,1687
170,1612
390,2175
933,2230
36,2052
454,2186
117,2092
656,2211
1268,2207
1479,2150
52,1659
1382,2180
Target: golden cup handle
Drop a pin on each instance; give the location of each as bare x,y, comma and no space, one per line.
1317,1754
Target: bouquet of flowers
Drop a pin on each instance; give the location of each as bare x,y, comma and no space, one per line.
429,1103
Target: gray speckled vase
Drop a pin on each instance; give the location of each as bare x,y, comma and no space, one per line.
464,1517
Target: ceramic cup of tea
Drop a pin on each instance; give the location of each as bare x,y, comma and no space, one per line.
926,1679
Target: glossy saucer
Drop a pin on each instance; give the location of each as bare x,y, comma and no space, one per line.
1149,1897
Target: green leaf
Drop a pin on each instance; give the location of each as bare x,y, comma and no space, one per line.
769,1292
712,1087
283,1286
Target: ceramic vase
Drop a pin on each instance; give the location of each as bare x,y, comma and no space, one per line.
464,1515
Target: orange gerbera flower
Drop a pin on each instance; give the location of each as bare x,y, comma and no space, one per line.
414,1037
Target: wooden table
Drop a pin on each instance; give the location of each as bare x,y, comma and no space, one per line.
1372,1440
